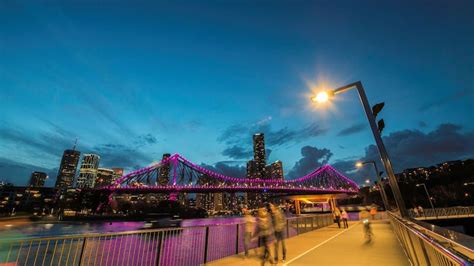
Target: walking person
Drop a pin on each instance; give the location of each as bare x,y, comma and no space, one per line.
264,233
278,219
345,217
373,212
337,217
249,229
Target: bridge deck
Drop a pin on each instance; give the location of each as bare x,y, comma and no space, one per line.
334,246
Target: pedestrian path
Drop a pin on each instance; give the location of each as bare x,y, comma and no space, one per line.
334,246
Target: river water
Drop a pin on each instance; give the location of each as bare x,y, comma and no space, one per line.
51,229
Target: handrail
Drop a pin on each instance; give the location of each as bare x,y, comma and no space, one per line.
423,248
438,213
192,245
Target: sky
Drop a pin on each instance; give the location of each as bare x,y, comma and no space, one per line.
132,80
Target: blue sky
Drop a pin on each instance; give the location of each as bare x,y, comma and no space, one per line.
135,79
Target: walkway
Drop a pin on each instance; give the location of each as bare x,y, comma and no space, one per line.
334,246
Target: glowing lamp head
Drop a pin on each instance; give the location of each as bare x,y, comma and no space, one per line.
321,97
367,181
359,164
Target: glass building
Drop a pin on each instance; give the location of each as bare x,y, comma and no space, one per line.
88,171
67,169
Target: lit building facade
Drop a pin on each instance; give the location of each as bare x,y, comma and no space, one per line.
37,179
105,177
118,172
250,169
164,173
259,155
276,171
88,171
67,169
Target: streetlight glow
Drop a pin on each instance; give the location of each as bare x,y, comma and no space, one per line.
321,97
367,181
359,164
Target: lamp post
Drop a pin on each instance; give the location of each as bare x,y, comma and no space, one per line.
324,96
379,180
427,194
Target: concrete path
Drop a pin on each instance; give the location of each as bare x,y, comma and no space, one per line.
334,246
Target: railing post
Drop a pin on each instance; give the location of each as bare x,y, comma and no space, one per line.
237,240
206,242
158,252
82,250
297,226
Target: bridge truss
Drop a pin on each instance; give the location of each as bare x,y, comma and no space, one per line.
177,174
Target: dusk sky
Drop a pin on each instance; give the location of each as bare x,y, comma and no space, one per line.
134,80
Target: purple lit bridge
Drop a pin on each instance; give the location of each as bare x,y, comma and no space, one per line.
175,174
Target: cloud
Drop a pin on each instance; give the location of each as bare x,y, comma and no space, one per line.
238,133
422,124
406,148
445,100
19,173
413,148
313,158
356,128
40,142
237,152
147,139
117,155
226,168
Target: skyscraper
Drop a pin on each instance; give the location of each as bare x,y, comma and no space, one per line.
105,177
37,179
259,155
88,171
250,169
67,169
164,173
276,171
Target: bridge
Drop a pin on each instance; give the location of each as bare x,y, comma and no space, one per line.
176,174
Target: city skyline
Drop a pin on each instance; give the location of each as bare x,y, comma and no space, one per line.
204,101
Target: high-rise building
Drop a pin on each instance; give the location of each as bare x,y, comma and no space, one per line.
105,177
88,171
276,171
250,169
67,169
37,179
259,155
164,173
118,172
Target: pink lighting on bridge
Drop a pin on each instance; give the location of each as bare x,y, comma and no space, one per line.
240,184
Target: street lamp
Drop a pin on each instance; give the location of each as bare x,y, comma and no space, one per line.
325,96
379,180
427,194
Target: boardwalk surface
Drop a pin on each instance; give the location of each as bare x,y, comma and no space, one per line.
334,246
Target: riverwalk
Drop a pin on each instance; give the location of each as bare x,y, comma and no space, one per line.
334,246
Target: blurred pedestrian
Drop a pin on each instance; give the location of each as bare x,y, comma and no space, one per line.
278,219
415,211
264,233
337,217
373,212
345,217
421,211
249,229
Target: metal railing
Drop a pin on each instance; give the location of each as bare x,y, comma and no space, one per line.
440,213
423,248
170,246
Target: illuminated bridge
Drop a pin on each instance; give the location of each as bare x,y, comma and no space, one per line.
176,174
